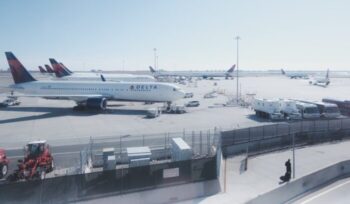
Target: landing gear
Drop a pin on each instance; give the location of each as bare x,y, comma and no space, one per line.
79,107
168,106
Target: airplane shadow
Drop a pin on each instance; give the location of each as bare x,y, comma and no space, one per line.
53,112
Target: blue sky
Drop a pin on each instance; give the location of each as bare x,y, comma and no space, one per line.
195,35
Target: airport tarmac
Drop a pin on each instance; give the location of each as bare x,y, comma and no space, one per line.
57,122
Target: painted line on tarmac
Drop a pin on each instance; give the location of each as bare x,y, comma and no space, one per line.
324,192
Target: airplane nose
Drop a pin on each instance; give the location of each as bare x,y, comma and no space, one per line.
181,93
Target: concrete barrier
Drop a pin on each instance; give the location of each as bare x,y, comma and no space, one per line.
300,186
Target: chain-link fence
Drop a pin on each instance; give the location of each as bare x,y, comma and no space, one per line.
256,140
200,142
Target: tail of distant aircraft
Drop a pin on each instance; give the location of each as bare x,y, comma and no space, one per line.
327,78
42,70
283,72
152,69
103,78
18,71
231,69
64,67
58,69
49,69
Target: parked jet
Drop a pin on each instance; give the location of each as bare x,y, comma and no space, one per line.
42,70
90,94
295,75
321,81
49,69
63,73
189,74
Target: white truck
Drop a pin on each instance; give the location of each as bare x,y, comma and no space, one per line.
268,109
289,109
308,110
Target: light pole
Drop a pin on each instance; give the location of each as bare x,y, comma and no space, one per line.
155,58
237,38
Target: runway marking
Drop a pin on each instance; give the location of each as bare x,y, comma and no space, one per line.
324,192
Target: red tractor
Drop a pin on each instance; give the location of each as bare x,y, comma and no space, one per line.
37,162
4,162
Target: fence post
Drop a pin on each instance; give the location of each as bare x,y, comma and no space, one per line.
208,142
193,141
200,142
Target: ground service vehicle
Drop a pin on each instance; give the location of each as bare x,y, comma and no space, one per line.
327,110
36,163
268,109
192,104
289,109
308,110
343,106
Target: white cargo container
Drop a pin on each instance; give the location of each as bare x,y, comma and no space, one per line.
180,150
308,110
268,109
289,109
138,154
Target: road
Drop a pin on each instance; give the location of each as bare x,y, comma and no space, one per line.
337,192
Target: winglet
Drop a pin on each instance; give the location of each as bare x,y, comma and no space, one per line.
19,73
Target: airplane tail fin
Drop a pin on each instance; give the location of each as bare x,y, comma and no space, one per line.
19,73
64,67
283,72
48,68
59,71
231,69
42,70
327,74
103,78
152,69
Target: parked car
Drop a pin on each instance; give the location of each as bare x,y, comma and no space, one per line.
192,104
188,95
153,113
3,163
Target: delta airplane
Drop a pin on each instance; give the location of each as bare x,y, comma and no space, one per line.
42,70
295,75
189,74
49,69
320,81
87,94
63,73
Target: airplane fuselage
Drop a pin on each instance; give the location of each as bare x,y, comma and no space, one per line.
120,91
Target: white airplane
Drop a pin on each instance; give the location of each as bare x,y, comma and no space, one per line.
90,94
63,73
189,74
295,75
320,81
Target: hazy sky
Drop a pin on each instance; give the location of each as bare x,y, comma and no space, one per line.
188,34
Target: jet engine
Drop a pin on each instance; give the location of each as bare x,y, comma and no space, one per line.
96,103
